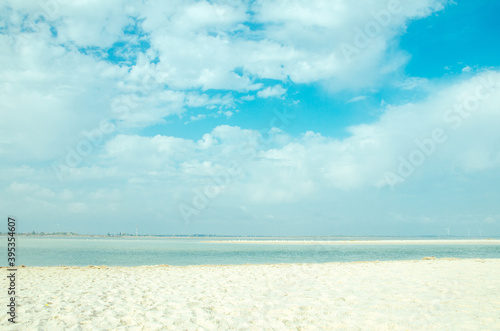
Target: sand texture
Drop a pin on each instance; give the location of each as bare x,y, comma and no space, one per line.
431,294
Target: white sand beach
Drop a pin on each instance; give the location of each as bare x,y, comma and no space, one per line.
431,294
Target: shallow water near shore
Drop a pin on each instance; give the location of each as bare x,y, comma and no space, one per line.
56,251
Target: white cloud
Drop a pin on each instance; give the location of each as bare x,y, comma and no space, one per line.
357,161
196,58
198,117
60,66
356,99
147,152
298,167
276,91
466,69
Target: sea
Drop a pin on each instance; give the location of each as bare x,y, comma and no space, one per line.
139,251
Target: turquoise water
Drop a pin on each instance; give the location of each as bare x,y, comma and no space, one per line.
135,252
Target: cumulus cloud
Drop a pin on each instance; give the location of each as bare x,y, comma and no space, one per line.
464,113
58,59
276,91
139,65
299,166
211,45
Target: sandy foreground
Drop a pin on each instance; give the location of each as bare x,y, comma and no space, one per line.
435,294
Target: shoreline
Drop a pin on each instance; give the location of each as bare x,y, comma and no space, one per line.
427,258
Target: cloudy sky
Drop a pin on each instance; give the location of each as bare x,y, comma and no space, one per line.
268,117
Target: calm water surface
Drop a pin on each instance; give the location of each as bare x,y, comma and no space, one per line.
135,252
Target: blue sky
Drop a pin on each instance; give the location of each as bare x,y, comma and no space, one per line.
460,35
249,117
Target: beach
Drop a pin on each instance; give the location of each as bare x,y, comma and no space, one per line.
431,294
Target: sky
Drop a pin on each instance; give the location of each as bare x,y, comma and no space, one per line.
239,117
